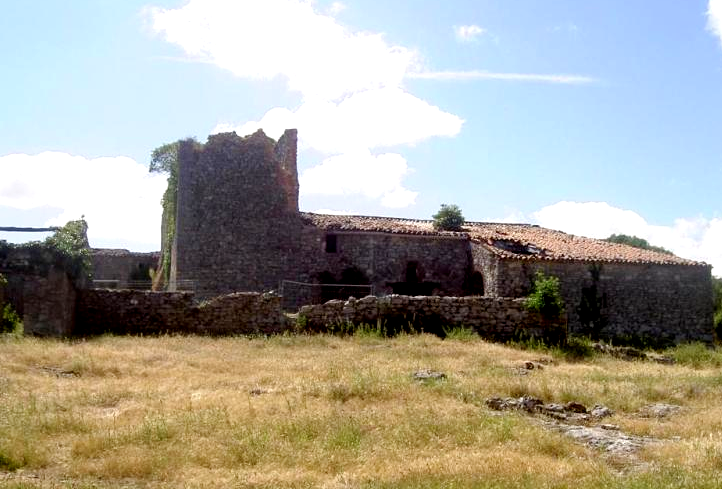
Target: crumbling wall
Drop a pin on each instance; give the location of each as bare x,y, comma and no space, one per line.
101,311
492,317
241,313
41,294
136,312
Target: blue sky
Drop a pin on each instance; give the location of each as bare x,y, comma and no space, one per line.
593,117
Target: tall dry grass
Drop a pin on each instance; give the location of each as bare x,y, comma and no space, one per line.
322,411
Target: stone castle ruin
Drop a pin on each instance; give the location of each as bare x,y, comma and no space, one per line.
239,229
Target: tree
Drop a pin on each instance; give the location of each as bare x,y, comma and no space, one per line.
717,287
546,296
636,242
164,159
449,218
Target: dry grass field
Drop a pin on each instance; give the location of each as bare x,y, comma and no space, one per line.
324,411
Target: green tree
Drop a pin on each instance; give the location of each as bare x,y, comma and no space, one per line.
164,160
717,288
636,242
546,297
449,218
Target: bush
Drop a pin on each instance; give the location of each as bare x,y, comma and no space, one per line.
9,320
717,288
696,355
546,297
449,218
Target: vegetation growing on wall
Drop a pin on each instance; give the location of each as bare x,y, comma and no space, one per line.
164,159
717,285
636,242
67,249
546,297
9,320
449,218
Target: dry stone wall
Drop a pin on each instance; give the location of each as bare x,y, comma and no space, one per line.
135,312
492,317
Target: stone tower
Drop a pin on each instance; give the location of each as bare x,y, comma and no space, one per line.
237,221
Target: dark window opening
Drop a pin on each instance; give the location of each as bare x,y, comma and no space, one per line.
474,284
414,283
412,276
331,243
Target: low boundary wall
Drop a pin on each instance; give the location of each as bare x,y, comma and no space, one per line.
101,311
494,318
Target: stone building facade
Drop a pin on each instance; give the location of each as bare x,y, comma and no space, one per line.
239,229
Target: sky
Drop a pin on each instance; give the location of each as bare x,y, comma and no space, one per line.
594,117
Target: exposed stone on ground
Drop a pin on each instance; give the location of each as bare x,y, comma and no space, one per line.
572,419
605,437
59,372
599,411
631,353
575,407
569,411
428,374
659,410
663,359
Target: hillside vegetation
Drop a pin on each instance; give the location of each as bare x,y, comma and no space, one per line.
325,411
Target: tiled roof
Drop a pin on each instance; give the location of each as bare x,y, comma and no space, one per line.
514,241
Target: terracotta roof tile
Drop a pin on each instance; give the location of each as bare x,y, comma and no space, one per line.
513,241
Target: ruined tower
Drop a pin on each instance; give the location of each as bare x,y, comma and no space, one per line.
237,220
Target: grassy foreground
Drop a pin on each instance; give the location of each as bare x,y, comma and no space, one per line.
323,411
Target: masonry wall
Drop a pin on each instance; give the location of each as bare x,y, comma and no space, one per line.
122,265
42,295
237,223
143,313
493,318
382,258
662,303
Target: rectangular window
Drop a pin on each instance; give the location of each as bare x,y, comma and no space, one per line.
331,244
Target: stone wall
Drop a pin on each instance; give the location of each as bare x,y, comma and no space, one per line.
659,303
102,311
492,317
242,313
381,259
142,313
41,294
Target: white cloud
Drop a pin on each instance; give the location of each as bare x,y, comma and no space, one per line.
695,238
373,176
336,8
468,33
714,17
261,40
366,120
117,195
490,75
351,83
